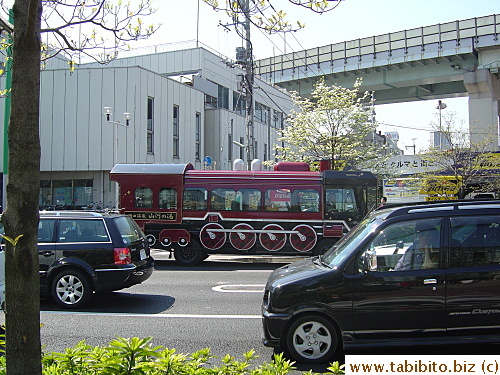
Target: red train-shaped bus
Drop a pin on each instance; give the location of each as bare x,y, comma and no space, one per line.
288,211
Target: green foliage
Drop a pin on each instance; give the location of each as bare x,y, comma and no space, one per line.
336,369
135,356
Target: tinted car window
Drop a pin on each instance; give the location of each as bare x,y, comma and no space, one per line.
475,241
46,230
347,244
76,230
403,246
128,229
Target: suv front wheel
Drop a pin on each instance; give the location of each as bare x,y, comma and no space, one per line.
71,289
312,339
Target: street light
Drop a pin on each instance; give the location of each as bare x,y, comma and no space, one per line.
108,112
441,105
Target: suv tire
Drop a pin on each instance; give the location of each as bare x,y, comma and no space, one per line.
312,339
71,288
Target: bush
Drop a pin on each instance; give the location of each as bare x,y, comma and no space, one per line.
136,356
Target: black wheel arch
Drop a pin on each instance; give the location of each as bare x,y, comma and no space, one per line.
311,311
70,263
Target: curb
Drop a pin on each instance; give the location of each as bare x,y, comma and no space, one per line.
164,255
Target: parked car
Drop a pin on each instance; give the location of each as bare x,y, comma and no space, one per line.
85,252
406,275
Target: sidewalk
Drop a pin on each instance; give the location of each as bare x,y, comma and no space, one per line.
165,255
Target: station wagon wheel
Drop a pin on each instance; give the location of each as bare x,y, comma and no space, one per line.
71,289
312,339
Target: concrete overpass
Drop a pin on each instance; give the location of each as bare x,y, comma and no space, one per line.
459,58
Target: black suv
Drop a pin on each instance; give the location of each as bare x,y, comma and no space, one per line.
408,275
84,252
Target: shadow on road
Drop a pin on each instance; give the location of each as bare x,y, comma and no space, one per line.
207,265
120,302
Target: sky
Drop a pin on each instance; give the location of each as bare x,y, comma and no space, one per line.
194,20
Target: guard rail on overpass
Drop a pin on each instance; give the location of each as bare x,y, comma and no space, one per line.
459,58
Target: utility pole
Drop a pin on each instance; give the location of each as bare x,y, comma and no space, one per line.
249,80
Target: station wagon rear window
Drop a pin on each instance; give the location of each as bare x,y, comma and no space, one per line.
128,229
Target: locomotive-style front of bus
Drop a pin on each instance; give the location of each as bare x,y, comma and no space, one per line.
152,194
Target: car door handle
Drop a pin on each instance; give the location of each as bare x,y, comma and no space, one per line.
46,253
430,281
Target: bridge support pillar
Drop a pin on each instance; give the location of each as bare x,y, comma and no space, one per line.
484,110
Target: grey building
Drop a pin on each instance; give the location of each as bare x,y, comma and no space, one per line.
154,106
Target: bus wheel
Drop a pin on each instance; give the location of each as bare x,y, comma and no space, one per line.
189,256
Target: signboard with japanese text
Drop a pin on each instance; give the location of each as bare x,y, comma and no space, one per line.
406,165
142,215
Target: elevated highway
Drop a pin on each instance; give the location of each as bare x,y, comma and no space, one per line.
454,59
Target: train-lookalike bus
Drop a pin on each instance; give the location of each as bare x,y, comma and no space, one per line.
288,211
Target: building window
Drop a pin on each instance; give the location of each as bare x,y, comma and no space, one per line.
175,145
198,136
66,194
239,104
223,97
262,113
230,143
278,119
265,151
242,149
210,101
150,125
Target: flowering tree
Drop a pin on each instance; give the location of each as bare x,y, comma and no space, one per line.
335,124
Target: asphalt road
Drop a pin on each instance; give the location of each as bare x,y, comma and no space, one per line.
215,305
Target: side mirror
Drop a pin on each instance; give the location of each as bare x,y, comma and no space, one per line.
371,260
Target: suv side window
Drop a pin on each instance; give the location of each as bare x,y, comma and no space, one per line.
46,230
475,241
82,231
402,246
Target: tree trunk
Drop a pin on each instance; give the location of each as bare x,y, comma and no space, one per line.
22,317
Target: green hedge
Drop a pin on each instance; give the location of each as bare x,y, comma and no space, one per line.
136,356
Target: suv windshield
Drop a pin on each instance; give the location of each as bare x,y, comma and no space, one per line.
129,230
346,245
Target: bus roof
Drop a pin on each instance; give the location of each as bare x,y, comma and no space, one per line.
151,168
345,177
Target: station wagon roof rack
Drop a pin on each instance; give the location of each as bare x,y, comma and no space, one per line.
95,213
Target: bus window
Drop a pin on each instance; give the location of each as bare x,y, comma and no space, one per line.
250,199
143,197
167,198
277,200
224,200
195,199
340,200
305,200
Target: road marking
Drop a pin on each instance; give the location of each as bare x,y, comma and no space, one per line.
239,288
176,316
260,271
